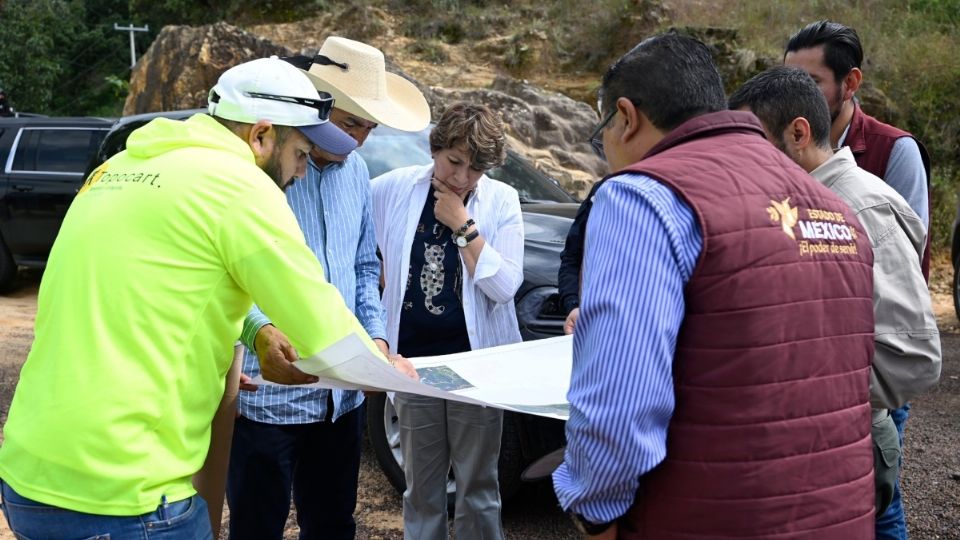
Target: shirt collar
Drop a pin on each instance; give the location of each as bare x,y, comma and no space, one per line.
331,164
843,137
830,170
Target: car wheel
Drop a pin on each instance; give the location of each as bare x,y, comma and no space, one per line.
383,428
511,464
8,268
956,288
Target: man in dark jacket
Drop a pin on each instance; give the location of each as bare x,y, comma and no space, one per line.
571,263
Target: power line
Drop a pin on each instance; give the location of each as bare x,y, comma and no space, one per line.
93,66
66,105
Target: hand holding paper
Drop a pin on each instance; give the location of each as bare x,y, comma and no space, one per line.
276,356
531,377
403,365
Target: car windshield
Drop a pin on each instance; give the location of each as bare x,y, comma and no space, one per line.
387,149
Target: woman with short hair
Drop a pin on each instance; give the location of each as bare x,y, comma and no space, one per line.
452,245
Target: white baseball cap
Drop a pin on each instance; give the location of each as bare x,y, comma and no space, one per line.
271,89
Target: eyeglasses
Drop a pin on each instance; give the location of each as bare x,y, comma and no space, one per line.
323,105
596,139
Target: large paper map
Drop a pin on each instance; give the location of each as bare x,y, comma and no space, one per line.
530,377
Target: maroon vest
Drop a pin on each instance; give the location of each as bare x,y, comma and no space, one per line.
770,436
871,142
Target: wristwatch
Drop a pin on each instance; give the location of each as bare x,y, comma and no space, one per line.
588,528
462,240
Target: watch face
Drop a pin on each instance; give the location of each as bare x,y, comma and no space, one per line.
461,241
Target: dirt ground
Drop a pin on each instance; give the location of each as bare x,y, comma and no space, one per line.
932,455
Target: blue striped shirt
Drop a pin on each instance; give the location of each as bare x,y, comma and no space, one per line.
332,206
642,244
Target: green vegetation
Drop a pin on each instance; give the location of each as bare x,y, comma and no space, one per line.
55,55
63,56
429,51
910,55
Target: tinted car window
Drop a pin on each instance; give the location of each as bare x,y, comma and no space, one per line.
531,184
387,149
56,150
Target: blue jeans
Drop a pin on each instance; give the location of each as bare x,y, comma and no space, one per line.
892,525
31,520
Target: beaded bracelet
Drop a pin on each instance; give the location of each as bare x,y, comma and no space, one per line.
463,228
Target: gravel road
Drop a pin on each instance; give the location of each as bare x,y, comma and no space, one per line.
932,455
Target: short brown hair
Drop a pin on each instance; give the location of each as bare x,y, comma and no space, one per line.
475,126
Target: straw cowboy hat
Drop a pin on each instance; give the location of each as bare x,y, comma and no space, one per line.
356,75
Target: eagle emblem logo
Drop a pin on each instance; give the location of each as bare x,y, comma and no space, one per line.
785,214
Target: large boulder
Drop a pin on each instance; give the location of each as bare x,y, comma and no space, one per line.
549,128
184,62
876,103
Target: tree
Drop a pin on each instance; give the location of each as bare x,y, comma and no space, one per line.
56,55
29,65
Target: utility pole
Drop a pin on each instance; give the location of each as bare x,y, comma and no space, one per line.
133,46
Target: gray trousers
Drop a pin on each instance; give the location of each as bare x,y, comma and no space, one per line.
436,434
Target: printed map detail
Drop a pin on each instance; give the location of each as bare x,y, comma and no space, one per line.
443,378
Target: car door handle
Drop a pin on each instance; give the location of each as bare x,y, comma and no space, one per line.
22,188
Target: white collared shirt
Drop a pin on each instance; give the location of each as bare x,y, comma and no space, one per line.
488,307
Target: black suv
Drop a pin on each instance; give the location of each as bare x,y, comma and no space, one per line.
43,162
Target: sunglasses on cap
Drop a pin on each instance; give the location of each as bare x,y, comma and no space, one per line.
323,105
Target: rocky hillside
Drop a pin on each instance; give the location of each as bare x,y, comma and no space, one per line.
546,105
551,129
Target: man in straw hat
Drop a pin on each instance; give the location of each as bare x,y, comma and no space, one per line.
309,440
162,253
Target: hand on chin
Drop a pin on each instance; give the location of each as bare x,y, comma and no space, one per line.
448,208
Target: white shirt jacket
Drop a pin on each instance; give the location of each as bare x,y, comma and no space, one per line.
488,306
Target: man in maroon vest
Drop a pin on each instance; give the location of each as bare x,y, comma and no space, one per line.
722,354
832,54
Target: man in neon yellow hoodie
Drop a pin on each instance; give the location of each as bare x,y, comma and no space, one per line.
159,259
